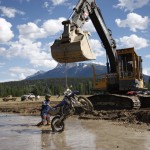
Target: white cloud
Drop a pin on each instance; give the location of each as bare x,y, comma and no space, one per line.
31,31
27,47
130,5
58,2
10,12
134,22
133,41
6,33
147,56
98,63
146,71
37,21
34,52
22,72
2,50
22,76
7,80
97,47
88,26
53,26
13,75
46,63
46,4
70,6
48,7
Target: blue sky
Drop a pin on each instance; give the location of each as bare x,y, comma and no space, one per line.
29,27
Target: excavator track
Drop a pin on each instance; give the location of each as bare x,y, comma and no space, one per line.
116,101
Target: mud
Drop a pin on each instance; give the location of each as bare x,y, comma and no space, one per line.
103,130
139,116
20,132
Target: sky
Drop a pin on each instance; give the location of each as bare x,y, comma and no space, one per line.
29,27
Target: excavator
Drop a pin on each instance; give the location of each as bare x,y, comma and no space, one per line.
124,66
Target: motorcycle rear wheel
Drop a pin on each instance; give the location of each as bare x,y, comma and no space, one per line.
57,125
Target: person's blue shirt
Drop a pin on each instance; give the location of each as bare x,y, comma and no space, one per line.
45,106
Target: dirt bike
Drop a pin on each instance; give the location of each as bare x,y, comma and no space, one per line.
66,108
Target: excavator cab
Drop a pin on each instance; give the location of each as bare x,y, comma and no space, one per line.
129,70
128,76
73,45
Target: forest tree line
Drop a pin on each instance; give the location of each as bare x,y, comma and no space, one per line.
44,86
52,86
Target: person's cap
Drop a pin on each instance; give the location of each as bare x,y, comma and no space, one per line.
47,96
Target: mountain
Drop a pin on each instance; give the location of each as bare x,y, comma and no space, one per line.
76,70
146,78
39,73
69,70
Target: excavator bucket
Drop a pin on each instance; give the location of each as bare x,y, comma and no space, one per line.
75,50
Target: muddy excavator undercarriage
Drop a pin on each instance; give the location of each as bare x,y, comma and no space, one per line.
124,66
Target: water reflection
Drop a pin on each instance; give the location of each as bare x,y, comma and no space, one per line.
54,141
74,137
20,132
78,136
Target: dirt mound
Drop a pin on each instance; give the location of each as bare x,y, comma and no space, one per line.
127,116
143,116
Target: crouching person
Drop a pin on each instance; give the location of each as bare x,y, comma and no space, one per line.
45,116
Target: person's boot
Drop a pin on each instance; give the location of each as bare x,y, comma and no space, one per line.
40,124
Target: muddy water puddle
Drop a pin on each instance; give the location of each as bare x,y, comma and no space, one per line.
19,132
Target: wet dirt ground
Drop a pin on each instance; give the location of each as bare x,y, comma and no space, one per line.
19,132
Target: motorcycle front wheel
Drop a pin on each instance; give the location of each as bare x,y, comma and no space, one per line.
86,104
57,125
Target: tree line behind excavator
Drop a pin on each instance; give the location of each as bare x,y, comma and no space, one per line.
124,66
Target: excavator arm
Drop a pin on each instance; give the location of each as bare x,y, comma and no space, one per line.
74,44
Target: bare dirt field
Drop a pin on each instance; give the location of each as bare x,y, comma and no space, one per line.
30,107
